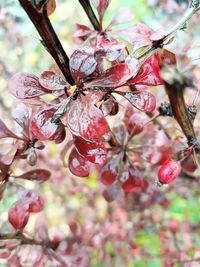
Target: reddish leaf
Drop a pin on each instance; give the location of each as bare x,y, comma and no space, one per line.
101,5
59,135
86,120
14,261
18,216
110,106
52,81
136,124
82,63
109,172
81,33
141,100
42,126
114,76
109,48
166,57
111,192
138,34
93,97
73,227
32,202
189,165
65,150
50,6
39,175
78,165
149,73
129,111
5,132
94,152
8,152
131,181
123,15
25,86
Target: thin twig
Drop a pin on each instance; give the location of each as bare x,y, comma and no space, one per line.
22,238
165,39
90,13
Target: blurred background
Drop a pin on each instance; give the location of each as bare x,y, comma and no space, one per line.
154,229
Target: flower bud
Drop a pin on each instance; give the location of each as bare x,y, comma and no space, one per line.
169,171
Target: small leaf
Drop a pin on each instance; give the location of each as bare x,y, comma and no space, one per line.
8,153
141,100
25,86
50,6
82,63
123,15
138,34
52,81
42,126
108,48
81,33
165,57
110,106
18,216
111,192
5,132
39,175
136,124
77,164
131,181
86,120
94,152
149,73
32,202
101,5
109,172
114,76
64,152
59,135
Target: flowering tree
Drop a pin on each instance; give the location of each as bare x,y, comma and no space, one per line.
121,109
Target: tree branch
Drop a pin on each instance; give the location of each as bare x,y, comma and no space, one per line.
175,85
37,12
22,238
90,13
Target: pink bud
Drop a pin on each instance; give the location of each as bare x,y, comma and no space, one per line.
169,171
18,216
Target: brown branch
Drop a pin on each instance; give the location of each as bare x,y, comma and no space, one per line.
90,13
22,238
175,85
37,12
